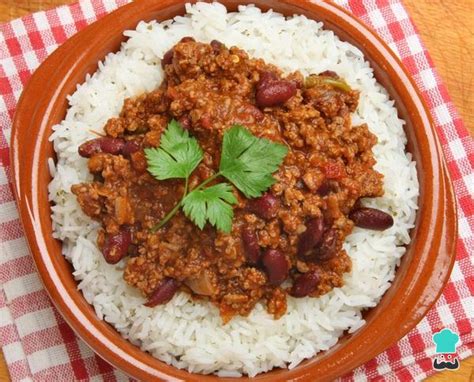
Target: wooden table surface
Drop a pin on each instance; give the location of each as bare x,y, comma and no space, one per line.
446,28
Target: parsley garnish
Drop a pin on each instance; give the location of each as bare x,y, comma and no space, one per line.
178,154
213,204
246,161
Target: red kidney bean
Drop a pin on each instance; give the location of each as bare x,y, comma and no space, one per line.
130,147
89,148
265,78
371,218
163,293
305,284
358,204
275,265
312,237
116,246
187,39
251,247
216,46
167,58
274,92
104,144
324,189
329,73
266,206
111,145
328,248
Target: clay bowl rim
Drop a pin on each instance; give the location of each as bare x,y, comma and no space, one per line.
420,278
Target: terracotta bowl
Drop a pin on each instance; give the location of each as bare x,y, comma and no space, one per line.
420,278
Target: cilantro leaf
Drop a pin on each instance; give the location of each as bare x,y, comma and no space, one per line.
248,162
176,157
212,204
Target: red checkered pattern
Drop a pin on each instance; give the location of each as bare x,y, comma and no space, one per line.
36,341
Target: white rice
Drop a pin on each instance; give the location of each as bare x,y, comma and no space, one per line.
189,334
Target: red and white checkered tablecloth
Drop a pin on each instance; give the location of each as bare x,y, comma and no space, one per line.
38,344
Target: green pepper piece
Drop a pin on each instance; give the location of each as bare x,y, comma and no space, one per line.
315,80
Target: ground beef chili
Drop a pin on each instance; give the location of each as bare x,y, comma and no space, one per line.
289,241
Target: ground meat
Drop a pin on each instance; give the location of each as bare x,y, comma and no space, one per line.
328,168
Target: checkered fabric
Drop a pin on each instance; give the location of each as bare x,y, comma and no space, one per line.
36,341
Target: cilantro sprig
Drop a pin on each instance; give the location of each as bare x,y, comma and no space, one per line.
178,154
246,161
213,204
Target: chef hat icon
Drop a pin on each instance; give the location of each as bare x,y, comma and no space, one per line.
445,341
